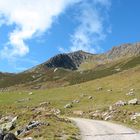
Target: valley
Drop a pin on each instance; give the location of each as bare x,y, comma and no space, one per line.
80,85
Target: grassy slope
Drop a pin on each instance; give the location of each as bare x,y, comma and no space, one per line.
120,83
49,78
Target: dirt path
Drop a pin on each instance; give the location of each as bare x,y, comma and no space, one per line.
101,130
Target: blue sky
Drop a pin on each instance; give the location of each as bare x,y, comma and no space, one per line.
31,32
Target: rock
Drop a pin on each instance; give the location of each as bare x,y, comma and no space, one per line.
75,101
55,70
6,119
30,126
44,104
99,88
56,111
7,126
107,117
120,103
33,124
118,69
95,114
78,112
14,119
68,106
90,97
133,102
132,90
135,116
10,136
131,93
109,90
110,108
1,135
30,93
29,138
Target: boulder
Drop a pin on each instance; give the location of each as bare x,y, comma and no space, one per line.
75,101
133,102
109,90
7,126
135,116
68,106
107,118
120,103
1,135
30,93
78,112
90,97
99,88
44,103
132,90
10,136
56,111
131,93
30,126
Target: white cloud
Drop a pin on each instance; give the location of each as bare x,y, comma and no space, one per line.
91,30
30,17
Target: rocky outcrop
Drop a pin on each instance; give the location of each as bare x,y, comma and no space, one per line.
67,61
125,50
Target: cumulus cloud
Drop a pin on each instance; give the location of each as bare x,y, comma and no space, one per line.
91,30
29,17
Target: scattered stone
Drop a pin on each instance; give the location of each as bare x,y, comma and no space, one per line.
55,70
56,111
132,90
108,118
110,108
1,135
95,114
30,93
99,88
120,103
36,87
10,136
134,117
90,97
131,93
44,104
68,106
30,126
109,90
9,125
78,112
118,69
75,101
6,119
134,102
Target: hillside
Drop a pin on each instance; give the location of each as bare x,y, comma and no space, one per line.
94,99
74,68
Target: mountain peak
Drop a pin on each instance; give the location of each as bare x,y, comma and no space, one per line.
68,60
124,50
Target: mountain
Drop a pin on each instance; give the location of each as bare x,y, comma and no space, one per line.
68,61
73,68
125,50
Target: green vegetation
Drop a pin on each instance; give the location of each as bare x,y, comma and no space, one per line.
120,84
48,78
